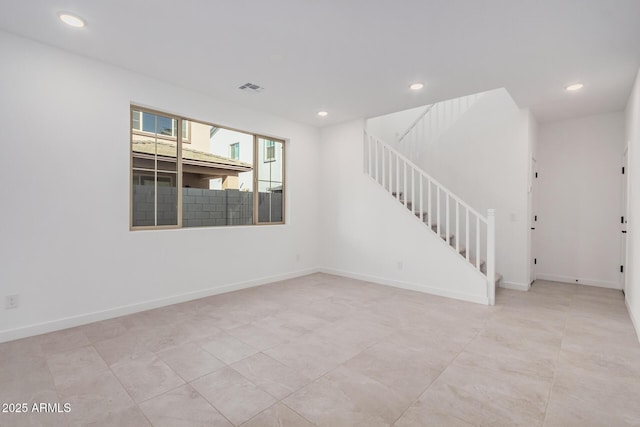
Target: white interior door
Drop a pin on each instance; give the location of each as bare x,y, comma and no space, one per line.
623,223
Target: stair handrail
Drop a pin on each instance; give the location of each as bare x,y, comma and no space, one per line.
428,177
488,221
415,122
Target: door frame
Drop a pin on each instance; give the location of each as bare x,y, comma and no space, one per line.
624,215
532,219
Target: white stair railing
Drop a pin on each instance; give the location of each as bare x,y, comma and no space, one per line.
415,122
432,123
428,200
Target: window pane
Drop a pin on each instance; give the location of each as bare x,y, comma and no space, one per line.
270,180
234,151
217,188
167,199
154,183
185,130
135,120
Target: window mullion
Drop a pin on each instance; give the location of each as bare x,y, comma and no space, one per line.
179,169
155,176
256,191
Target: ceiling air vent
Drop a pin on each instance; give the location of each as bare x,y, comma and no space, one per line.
250,87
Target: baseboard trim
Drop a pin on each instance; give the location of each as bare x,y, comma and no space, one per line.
83,319
581,281
634,321
407,285
514,285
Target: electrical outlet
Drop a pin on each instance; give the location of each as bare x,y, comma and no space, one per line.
11,301
298,257
400,265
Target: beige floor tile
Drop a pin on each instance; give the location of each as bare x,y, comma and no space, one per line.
487,396
121,348
105,329
279,415
15,351
190,361
129,417
146,377
182,407
611,395
270,375
354,333
347,398
198,327
601,362
256,336
405,368
575,413
227,348
26,380
423,414
75,365
94,399
311,355
64,340
237,398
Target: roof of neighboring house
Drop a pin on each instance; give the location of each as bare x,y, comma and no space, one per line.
189,155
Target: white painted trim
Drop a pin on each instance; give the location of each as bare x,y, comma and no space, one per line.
479,299
634,321
581,281
514,285
83,319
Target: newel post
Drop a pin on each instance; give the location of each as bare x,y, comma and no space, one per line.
491,256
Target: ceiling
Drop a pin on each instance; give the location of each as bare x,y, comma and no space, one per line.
356,58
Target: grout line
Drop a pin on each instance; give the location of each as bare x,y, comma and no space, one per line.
438,376
556,365
296,412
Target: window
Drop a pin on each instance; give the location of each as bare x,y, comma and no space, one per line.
269,151
219,177
234,151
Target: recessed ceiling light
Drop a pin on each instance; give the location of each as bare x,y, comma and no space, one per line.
323,113
71,20
416,86
574,87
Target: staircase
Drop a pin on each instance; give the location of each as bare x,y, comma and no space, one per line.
470,235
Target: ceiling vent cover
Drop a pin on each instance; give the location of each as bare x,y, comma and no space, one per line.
250,87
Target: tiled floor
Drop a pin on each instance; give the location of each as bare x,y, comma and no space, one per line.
328,351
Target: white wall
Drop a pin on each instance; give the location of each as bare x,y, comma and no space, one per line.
65,244
578,228
632,289
365,233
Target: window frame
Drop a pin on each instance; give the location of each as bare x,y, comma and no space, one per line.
179,171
